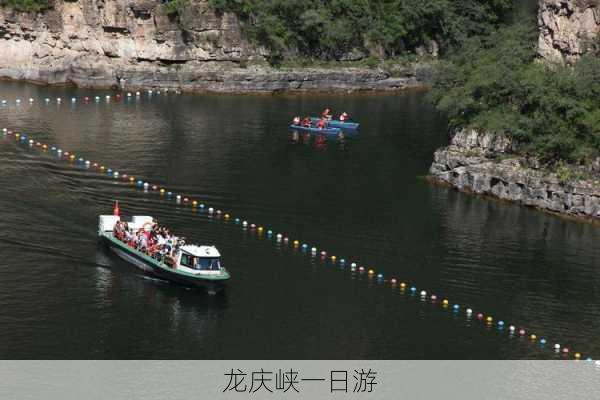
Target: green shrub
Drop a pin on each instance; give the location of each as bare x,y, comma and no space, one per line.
563,172
27,5
326,29
495,83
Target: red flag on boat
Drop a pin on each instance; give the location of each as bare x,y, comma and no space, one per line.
116,209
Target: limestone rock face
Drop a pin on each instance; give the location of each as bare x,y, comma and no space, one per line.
566,27
108,37
485,164
136,44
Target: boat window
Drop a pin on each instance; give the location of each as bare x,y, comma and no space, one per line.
187,260
208,263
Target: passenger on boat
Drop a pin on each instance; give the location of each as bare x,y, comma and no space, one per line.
296,121
142,240
306,122
344,117
322,124
326,114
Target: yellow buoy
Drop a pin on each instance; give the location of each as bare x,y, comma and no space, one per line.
260,228
44,146
194,203
489,319
102,168
226,216
533,337
17,135
131,179
162,191
333,258
296,243
371,272
577,356
445,302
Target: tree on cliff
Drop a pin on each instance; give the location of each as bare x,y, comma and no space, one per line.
495,84
27,5
328,29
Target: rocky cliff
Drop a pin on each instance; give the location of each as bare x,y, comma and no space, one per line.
486,164
566,28
136,43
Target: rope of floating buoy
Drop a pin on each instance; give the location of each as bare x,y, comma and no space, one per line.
87,99
487,319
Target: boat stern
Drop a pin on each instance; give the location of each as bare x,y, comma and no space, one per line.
106,223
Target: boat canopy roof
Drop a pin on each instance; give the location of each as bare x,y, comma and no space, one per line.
201,251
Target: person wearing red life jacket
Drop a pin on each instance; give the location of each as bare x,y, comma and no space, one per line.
296,121
344,117
306,122
326,114
322,123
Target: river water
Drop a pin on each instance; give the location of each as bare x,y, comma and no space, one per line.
63,296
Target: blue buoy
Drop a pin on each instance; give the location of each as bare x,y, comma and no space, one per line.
342,261
169,194
456,306
413,289
202,206
542,341
500,323
269,232
109,172
237,220
380,276
140,184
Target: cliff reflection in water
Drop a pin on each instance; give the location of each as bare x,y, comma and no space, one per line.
524,263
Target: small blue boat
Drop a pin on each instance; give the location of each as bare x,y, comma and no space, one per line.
325,131
334,123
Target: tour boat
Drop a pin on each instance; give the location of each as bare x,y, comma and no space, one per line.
198,266
334,123
312,129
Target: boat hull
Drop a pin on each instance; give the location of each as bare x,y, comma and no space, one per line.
155,269
324,131
334,123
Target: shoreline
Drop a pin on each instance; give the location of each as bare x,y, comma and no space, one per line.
488,166
434,181
239,81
